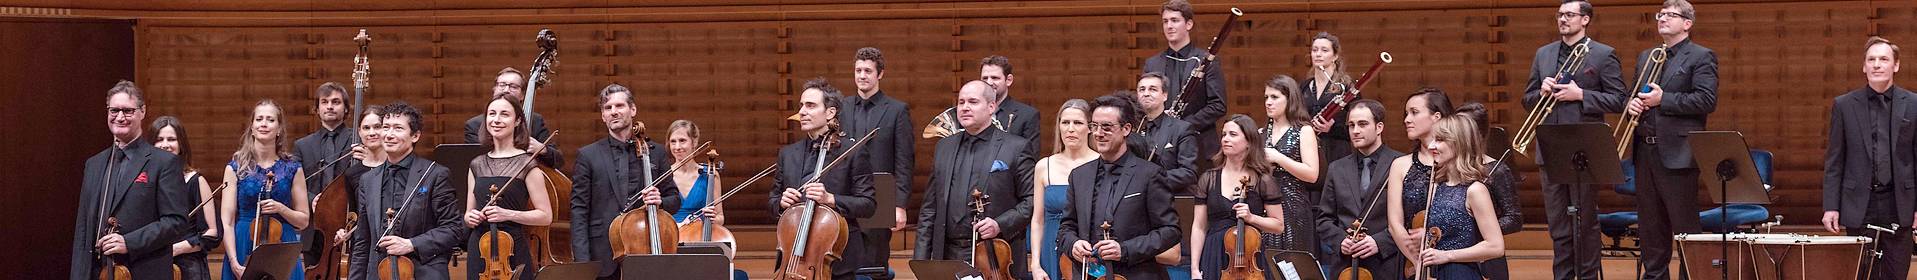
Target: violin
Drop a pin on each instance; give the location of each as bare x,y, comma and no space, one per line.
1094,270
1357,232
267,227
1241,245
1414,267
495,246
992,256
812,237
111,268
648,230
704,229
391,267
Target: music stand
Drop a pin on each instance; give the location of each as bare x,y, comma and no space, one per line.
884,196
682,266
457,158
941,269
1730,157
568,271
275,261
1578,155
1302,263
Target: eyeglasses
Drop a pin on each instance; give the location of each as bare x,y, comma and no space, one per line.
507,85
121,111
1669,15
1569,14
1104,127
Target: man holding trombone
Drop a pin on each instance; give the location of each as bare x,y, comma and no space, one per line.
1573,80
1675,93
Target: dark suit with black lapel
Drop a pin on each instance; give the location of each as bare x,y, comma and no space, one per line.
1346,196
606,177
428,210
1205,108
551,156
1859,120
850,183
991,162
891,151
146,192
1127,193
1603,85
1666,173
1169,143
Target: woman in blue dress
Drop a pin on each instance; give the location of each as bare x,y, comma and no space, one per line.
1458,204
1048,183
261,163
695,184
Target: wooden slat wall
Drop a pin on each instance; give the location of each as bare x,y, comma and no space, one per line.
736,73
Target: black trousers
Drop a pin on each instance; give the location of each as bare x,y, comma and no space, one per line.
193,266
878,249
1895,264
1569,234
1666,205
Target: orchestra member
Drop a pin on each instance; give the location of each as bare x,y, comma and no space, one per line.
1679,103
892,149
1122,191
414,189
1178,63
846,187
1050,190
267,192
1868,162
1352,193
189,255
149,221
511,82
1459,205
610,174
504,174
982,160
1239,191
1581,97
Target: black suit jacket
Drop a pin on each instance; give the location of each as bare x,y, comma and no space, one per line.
315,151
1690,95
1847,163
1204,108
602,184
1009,191
1600,77
149,197
850,182
892,149
430,217
1143,221
1170,144
1344,199
550,157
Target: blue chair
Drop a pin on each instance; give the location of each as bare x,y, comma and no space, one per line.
1620,225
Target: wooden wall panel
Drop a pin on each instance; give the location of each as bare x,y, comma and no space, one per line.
735,69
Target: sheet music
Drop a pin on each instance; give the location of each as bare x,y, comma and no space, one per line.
1290,271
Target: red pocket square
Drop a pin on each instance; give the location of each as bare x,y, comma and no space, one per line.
141,179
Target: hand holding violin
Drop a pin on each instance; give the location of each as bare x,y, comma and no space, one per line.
396,246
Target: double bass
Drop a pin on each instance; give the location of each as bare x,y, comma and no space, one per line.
992,256
1094,270
1242,244
557,183
703,229
812,237
495,246
390,267
331,208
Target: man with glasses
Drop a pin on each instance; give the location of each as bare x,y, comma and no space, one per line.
511,82
1679,103
1582,96
1122,191
133,203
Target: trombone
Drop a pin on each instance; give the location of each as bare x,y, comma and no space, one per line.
1528,131
1649,74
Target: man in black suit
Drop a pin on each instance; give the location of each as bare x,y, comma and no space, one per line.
1012,116
319,152
610,174
1670,110
511,82
1123,191
1582,96
1352,192
138,186
1178,62
978,159
890,150
1868,176
846,187
426,210
1166,142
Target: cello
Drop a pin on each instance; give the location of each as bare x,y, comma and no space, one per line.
1241,243
495,246
811,238
1094,270
995,262
390,267
704,229
647,230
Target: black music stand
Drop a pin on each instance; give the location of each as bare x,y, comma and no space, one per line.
682,266
1736,177
275,261
457,158
942,270
705,248
569,271
884,195
1301,262
1578,155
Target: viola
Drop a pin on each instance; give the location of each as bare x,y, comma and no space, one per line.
992,256
1242,244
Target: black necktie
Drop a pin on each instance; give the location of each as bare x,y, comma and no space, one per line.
1364,170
